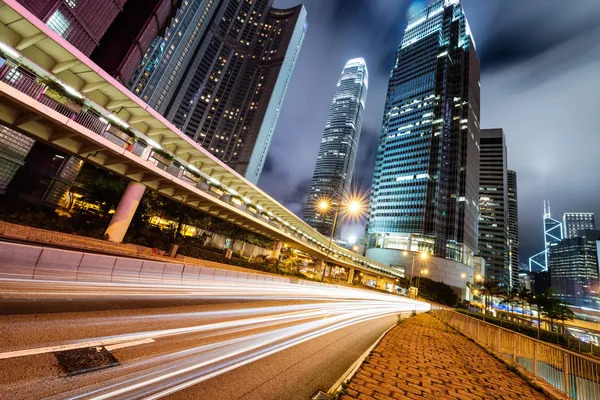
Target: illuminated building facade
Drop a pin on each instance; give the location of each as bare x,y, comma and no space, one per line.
337,153
575,222
553,233
573,265
426,183
493,207
229,89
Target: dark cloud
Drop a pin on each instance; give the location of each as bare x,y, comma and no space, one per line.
540,79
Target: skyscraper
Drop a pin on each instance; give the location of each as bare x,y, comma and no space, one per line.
553,233
513,225
573,265
425,186
575,222
493,207
337,153
223,81
164,64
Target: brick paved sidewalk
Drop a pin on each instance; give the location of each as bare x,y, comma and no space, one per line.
421,359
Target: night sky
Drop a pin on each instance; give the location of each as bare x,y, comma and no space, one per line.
540,81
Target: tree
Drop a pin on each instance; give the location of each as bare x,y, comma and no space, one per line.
101,188
526,297
510,299
490,289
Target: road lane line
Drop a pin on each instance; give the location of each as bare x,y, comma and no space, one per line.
128,344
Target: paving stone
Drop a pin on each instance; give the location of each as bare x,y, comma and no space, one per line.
423,359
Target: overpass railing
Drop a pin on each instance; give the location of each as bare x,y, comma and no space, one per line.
25,76
573,374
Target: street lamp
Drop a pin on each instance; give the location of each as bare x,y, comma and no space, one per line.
422,272
353,207
423,256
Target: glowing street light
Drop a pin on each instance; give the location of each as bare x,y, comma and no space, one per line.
353,207
463,275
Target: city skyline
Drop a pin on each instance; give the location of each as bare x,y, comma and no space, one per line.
539,177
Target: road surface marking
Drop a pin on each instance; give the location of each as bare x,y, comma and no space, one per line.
128,344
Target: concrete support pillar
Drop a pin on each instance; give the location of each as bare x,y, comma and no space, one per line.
351,275
125,210
276,250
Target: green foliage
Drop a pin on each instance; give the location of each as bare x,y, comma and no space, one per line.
431,290
163,153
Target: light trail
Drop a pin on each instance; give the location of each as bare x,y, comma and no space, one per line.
195,346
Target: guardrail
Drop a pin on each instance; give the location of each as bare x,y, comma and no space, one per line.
575,375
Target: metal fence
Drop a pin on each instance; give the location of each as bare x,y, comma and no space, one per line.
573,374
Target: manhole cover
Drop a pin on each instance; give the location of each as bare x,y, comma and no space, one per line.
320,396
80,361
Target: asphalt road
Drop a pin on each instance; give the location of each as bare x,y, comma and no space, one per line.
212,341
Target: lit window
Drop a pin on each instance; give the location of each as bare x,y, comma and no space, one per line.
59,23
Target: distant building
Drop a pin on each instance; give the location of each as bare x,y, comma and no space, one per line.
575,222
335,163
221,74
425,186
513,225
493,207
573,265
553,233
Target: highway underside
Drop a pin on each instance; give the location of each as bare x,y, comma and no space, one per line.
212,341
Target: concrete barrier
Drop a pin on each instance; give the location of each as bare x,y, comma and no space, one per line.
18,260
56,264
95,268
126,270
152,271
207,274
43,263
220,275
191,274
172,273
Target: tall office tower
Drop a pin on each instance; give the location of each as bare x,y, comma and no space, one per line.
425,187
337,153
513,225
553,233
229,95
165,62
573,265
493,207
575,222
115,34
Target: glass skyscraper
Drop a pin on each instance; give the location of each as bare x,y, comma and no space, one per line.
337,153
221,74
573,265
425,186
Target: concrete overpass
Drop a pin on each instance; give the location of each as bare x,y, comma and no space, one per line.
53,93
